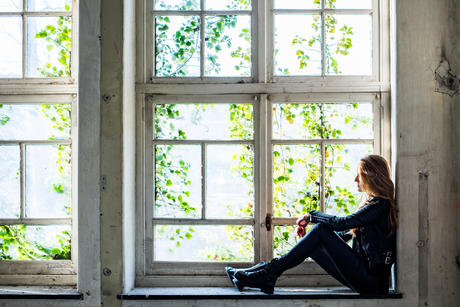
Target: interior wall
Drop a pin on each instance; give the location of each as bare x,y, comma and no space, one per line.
427,152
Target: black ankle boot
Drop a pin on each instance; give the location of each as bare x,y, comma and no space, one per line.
265,278
231,274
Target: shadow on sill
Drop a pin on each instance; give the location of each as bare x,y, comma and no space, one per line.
33,292
198,293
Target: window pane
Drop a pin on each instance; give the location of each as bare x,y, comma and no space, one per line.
11,57
11,5
229,181
323,120
298,45
48,46
349,44
48,181
342,196
174,5
348,121
20,242
296,4
297,121
228,46
284,239
347,4
228,4
49,5
34,122
203,243
177,50
10,189
204,121
296,178
178,181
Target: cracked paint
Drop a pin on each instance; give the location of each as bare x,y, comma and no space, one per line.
446,83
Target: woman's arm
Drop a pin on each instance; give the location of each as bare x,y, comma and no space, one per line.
364,216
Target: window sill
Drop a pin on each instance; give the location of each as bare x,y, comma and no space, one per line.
34,292
200,293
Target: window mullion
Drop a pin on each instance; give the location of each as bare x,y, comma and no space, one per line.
24,41
202,43
266,144
323,42
323,176
23,180
203,180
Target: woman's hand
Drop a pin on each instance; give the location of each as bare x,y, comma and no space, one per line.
303,221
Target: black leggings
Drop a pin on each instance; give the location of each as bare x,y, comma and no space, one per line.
324,246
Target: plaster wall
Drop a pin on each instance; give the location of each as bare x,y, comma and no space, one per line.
426,139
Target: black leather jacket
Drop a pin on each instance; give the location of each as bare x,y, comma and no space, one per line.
372,241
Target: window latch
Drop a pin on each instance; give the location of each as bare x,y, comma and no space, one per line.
268,222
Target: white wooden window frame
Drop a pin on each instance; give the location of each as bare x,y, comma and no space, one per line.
73,13
44,90
269,89
43,272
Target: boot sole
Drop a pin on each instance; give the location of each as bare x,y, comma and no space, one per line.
238,284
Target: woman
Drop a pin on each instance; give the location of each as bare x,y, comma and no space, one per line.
366,267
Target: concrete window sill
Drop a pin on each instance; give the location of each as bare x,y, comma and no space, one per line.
197,293
24,292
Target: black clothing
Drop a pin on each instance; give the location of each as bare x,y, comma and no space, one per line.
366,267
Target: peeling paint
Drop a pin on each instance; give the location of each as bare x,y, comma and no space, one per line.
446,83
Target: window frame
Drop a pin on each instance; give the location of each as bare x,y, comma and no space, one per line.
39,271
45,90
268,89
73,56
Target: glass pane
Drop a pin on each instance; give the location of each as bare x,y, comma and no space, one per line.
203,243
20,242
349,44
296,178
49,5
342,196
297,121
35,122
284,239
204,121
48,46
228,46
347,4
178,181
11,6
48,181
296,4
229,166
348,121
177,50
11,57
10,189
228,4
298,45
177,5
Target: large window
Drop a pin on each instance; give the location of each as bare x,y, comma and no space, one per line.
252,113
37,132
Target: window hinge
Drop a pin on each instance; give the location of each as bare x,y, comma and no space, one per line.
268,222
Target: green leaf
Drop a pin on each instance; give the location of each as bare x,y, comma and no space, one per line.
291,161
56,251
49,47
169,183
188,235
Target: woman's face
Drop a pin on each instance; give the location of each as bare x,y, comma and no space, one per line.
359,182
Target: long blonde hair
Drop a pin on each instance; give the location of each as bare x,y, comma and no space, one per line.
376,181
